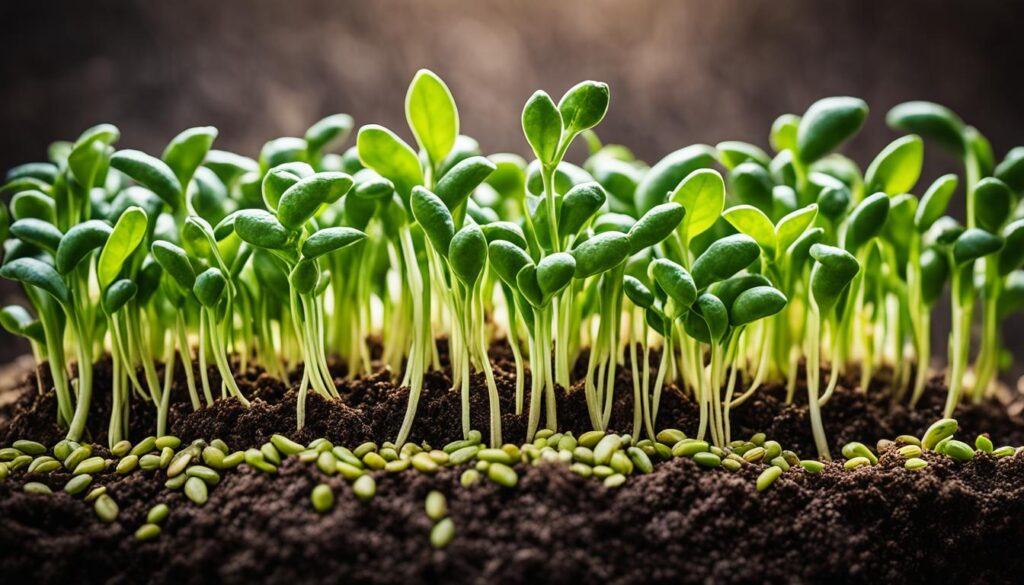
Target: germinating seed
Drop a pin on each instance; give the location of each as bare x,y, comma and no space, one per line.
883,444
286,445
583,455
856,449
716,451
664,451
908,451
9,453
436,505
544,433
121,448
176,483
158,513
34,487
707,459
915,463
941,429
220,446
754,455
758,439
322,498
364,488
29,447
458,445
791,457
77,484
326,463
463,455
204,473
149,462
271,454
772,449
621,463
389,454
590,439
422,462
320,444
233,460
670,436
195,490
494,456
604,449
94,493
768,477
106,508
908,440
603,471
90,465
689,448
374,461
34,465
781,462
18,462
166,455
857,462
179,463
147,532
469,478
640,460
512,451
812,466
731,464
442,533
941,445
567,443
582,469
346,456
984,444
614,481
213,457
959,450
396,466
144,446
167,441
77,455
4,472
439,456
362,450
503,475
1004,451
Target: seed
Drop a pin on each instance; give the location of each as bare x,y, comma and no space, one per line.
9,453
397,465
544,433
791,458
914,463
147,532
494,456
90,465
463,455
166,454
362,450
178,464
940,447
34,487
716,451
320,444
812,466
95,493
482,466
1004,451
469,478
364,488
346,456
731,464
436,506
204,473
410,449
758,439
271,454
614,481
286,445
176,483
157,514
780,461
608,445
77,484
438,456
939,430
670,437
959,450
754,455
213,457
707,459
583,455
18,462
581,469
457,445
389,454
640,459
856,449
512,451
503,475
144,446
689,447
39,461
908,440
423,463
621,463
167,441
309,456
374,461
857,462
664,451
254,459
442,533
77,456
121,448
29,447
4,472
590,439
567,443
233,460
195,490
768,477
772,449
149,462
883,444
322,498
983,443
106,508
326,463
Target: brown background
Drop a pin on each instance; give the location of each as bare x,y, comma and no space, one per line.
681,72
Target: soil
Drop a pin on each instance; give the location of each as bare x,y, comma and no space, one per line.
952,522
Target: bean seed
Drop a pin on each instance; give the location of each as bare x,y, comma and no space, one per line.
90,465
213,457
322,498
812,466
166,455
271,454
178,464
195,490
220,446
791,457
39,461
567,443
463,455
77,484
254,459
95,493
349,472
176,483
9,453
494,456
436,506
144,446
204,473
583,455
582,469
664,451
286,445
608,445
19,461
670,437
857,462
908,451
482,466
940,447
544,433
941,429
365,488
121,448
396,466
233,460
984,443
442,533
603,471
362,450
503,475
731,464
590,439
157,514
883,444
458,445
309,456
908,440
29,447
689,447
469,478
326,463
716,451
389,454
781,462
768,477
4,472
772,449
423,463
758,439
106,508
374,461
959,450
77,456
614,481
621,463
167,441
857,449
320,444
149,462
915,463
754,455
512,451
707,459
1004,451
147,532
410,449
439,456
34,487
343,454
640,459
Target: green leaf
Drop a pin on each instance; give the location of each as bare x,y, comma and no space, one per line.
381,150
467,254
896,169
1012,256
542,125
435,219
665,176
16,320
459,183
376,188
304,199
784,131
150,172
282,150
931,121
1011,170
752,184
37,232
304,276
975,243
733,153
702,195
756,303
128,233
187,150
834,269
828,123
655,225
504,230
507,260
637,292
261,229
993,200
554,272
174,261
749,220
578,206
33,204
209,287
118,294
276,182
934,272
42,171
724,258
675,281
729,289
866,221
934,202
89,153
791,227
79,242
713,315
330,239
229,166
584,106
327,132
432,115
600,253
39,274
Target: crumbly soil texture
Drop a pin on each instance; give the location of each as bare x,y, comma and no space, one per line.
951,522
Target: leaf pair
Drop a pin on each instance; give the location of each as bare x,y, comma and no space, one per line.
774,240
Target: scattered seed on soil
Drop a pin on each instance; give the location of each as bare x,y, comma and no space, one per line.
196,490
364,488
106,508
768,477
442,533
322,498
78,484
158,513
34,487
436,506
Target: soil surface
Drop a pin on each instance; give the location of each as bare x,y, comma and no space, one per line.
951,522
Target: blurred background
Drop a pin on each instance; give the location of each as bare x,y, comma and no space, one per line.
680,72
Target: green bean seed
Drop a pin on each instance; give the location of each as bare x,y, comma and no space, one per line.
670,437
157,514
179,463
374,461
442,533
106,508
915,463
857,462
939,430
34,487
286,445
754,455
94,493
220,446
812,466
908,440
469,478
9,453
1004,451
77,484
984,444
909,451
758,439
195,490
121,448
857,449
640,459
494,456
166,455
423,463
149,462
18,462
772,449
781,462
144,446
147,532
77,455
959,450
213,457
689,448
436,506
271,454
614,480
396,466
204,473
233,460
621,463
503,475
90,465
29,447
322,498
707,459
365,488
604,449
362,450
582,469
590,439
768,477
731,464
167,441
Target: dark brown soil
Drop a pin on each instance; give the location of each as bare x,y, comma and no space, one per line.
953,522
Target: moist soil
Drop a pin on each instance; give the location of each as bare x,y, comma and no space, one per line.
951,522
